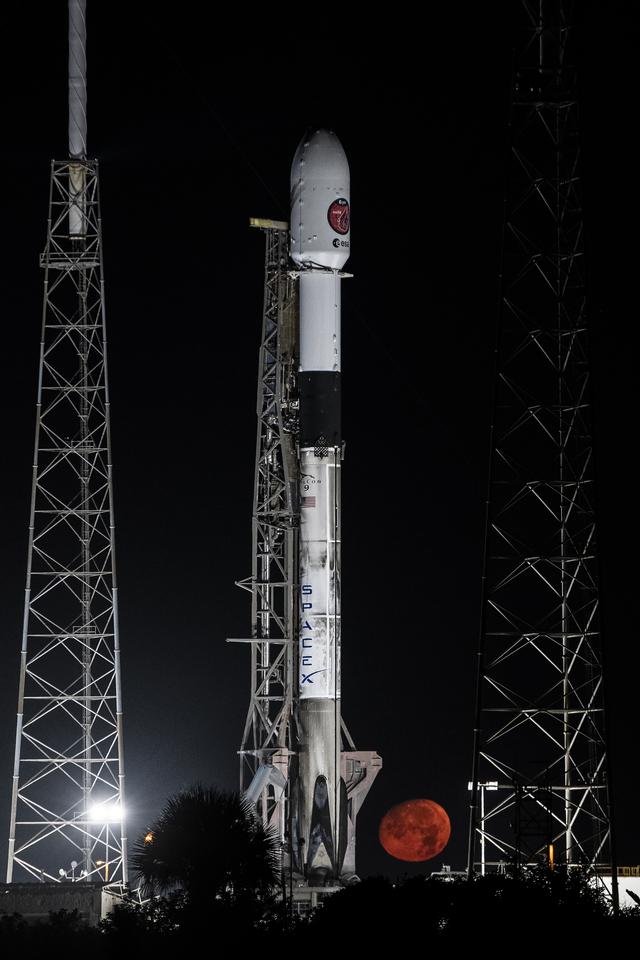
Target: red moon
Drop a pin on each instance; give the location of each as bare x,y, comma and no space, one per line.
415,830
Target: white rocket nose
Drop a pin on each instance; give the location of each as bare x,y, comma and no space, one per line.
320,156
320,202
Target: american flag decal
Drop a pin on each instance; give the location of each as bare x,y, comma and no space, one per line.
308,501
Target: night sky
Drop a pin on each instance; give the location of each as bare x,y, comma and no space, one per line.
195,122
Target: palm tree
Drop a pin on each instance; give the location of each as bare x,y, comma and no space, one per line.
210,844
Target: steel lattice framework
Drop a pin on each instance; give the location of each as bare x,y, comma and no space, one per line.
540,781
69,758
267,738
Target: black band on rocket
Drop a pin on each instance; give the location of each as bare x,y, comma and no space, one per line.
320,407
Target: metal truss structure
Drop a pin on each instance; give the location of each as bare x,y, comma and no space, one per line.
540,781
267,738
67,799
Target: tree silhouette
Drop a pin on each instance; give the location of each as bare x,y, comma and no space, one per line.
210,844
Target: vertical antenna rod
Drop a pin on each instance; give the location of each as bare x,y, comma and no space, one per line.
77,79
77,116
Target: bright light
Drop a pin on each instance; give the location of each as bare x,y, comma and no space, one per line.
105,813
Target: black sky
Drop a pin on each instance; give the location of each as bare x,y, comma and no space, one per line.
195,122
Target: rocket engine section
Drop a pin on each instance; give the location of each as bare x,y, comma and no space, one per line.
320,237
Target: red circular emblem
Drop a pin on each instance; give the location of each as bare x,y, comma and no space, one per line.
339,217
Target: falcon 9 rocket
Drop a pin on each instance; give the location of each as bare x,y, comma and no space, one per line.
299,766
319,246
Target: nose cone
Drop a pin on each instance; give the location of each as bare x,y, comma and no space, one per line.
319,157
320,202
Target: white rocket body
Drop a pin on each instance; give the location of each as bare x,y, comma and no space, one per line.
320,238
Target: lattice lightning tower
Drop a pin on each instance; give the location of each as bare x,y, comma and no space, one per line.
540,776
68,783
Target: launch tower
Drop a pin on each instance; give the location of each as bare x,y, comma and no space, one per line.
298,762
540,782
68,781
